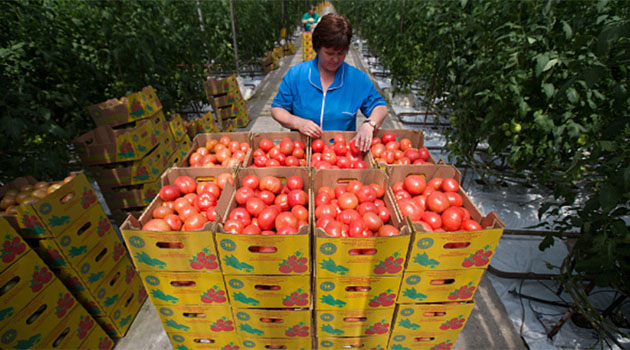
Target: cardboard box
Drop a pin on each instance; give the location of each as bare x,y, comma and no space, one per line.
372,342
216,320
138,105
283,254
200,140
52,215
123,314
278,343
190,288
450,250
439,286
353,323
81,237
116,286
226,99
346,256
161,127
176,124
423,341
132,196
356,293
71,280
206,124
71,332
183,148
204,341
12,246
105,145
415,136
252,291
21,283
215,86
276,138
241,120
98,264
273,323
434,319
38,319
97,339
145,170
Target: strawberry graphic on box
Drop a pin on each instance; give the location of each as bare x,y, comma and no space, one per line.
231,346
479,258
64,303
103,226
299,330
385,299
445,345
378,328
41,276
463,292
295,263
454,323
32,225
11,248
213,295
391,265
119,250
105,344
129,274
149,195
222,325
204,260
85,325
297,298
88,198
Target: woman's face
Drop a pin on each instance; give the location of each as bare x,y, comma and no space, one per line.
330,59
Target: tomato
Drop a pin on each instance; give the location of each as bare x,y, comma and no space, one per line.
354,186
323,221
243,194
424,153
169,193
317,145
383,213
267,197
358,228
285,218
398,186
280,157
270,183
282,202
388,137
470,225
156,225
191,198
244,147
449,184
272,163
373,221
405,144
211,214
452,218
335,229
435,183
298,153
224,140
180,203
233,226
297,197
392,146
322,198
254,206
328,190
433,219
412,154
402,194
348,200
366,194
409,208
223,154
339,189
388,231
287,230
251,230
326,209
348,215
366,207
388,156
267,218
174,222
340,149
251,181
265,144
329,157
195,159
187,211
437,202
420,201
223,179
414,184
295,183
354,148
425,226
210,144
377,150
375,140
454,199
241,214
161,212
194,222
466,213
344,162
359,164
205,200
378,189
300,212
339,139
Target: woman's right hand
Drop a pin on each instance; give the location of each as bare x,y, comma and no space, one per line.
308,128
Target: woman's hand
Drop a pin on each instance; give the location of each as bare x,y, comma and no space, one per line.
364,137
308,128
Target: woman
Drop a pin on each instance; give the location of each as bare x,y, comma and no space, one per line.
310,18
326,93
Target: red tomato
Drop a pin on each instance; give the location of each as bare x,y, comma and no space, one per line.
162,211
336,229
272,163
405,144
402,194
398,186
298,153
187,211
348,215
449,184
373,221
261,161
174,222
326,209
243,194
358,228
211,214
435,183
454,199
354,148
191,198
323,221
424,153
329,157
392,146
322,198
292,161
421,201
340,149
169,193
388,137
339,189
317,145
156,225
452,218
241,214
348,200
433,219
270,183
244,147
409,208
470,225
383,213
180,203
251,181
300,212
377,150
376,140
359,164
205,200
297,197
339,139
366,207
426,226
251,230
285,218
366,194
267,197
414,184
412,154
437,202
282,202
265,145
254,206
388,231
344,162
267,218
295,183
380,191
195,159
354,186
287,230
223,179
194,222
233,226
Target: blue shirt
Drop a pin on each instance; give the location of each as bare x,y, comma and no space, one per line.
352,90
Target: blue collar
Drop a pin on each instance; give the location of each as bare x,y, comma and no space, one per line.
316,81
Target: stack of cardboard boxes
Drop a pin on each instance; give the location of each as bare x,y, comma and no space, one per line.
37,310
128,151
307,46
227,102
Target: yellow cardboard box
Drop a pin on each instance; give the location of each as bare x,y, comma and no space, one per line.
192,288
204,341
81,237
353,323
101,261
183,147
139,105
79,289
439,286
282,254
200,140
12,248
22,282
372,342
120,319
216,320
415,136
273,323
131,196
251,291
161,127
107,145
276,138
356,293
450,250
241,120
120,280
215,86
422,340
176,124
435,319
38,319
97,339
226,99
359,256
208,124
278,343
239,108
71,332
53,214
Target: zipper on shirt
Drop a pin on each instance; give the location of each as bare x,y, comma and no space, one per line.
321,116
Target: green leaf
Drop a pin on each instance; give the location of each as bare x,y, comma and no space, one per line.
572,95
568,32
546,242
608,198
549,90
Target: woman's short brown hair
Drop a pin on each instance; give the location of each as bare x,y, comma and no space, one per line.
333,31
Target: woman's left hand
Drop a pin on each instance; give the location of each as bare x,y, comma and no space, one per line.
364,137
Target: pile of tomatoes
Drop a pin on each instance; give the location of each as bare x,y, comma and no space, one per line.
187,204
387,150
287,153
436,204
339,155
353,210
221,152
30,194
267,207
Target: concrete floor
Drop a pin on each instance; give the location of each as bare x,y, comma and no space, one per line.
488,327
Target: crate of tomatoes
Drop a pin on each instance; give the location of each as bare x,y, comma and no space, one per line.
228,149
273,149
337,150
392,147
